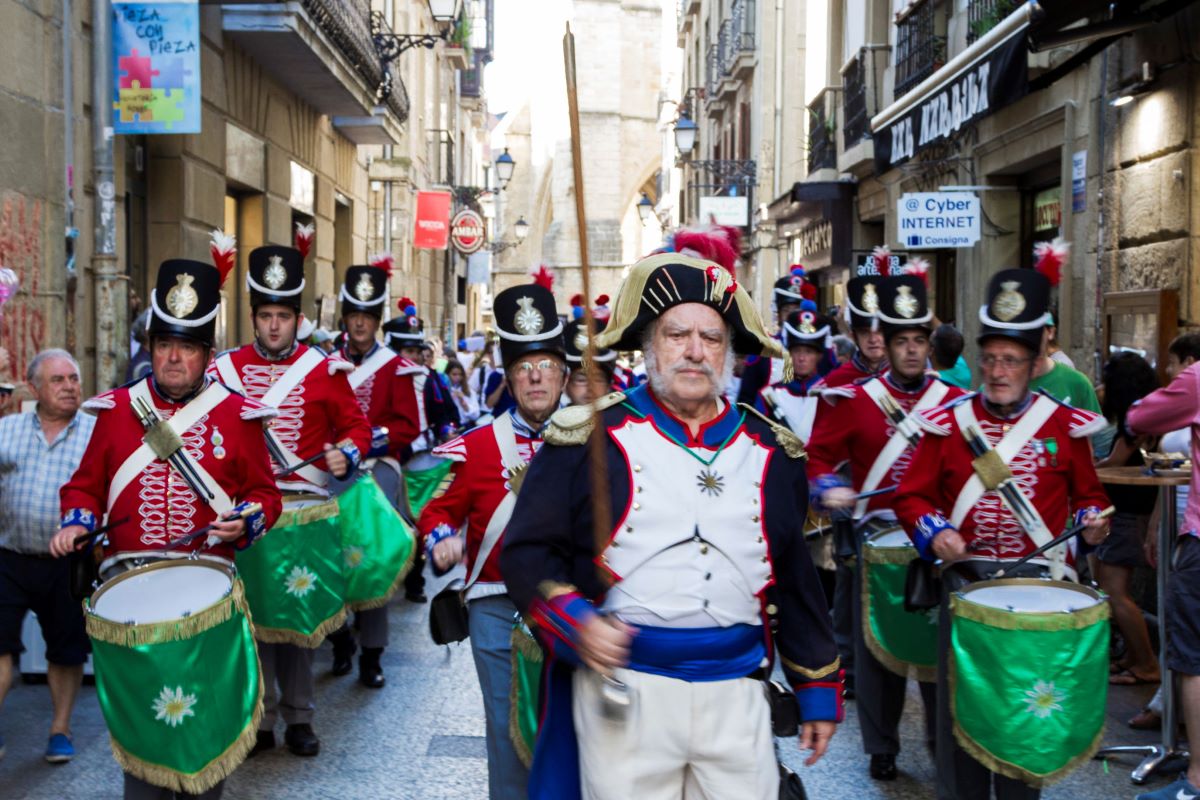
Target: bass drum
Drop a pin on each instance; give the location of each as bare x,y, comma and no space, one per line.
903,641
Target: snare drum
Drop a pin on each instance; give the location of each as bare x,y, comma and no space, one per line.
377,545
1029,675
423,474
294,577
177,672
903,641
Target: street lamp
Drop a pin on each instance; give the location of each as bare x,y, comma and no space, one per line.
521,229
443,11
504,168
685,135
645,208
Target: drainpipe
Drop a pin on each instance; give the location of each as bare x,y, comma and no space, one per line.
1066,289
111,293
1101,107
70,234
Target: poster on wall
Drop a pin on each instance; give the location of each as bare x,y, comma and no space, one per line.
431,228
156,67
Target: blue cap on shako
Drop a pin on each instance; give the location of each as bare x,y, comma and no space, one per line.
365,286
575,334
527,319
794,289
807,328
405,329
1018,300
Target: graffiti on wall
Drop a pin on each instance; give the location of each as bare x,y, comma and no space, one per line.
23,324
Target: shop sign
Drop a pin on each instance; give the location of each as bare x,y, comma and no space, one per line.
865,263
816,237
467,232
1047,210
725,211
926,220
156,67
431,227
991,82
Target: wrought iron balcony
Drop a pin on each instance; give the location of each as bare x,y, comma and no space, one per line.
983,15
920,49
856,117
712,69
736,35
822,149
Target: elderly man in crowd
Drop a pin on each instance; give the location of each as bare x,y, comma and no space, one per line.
38,452
654,626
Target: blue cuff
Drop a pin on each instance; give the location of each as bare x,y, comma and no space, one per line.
379,443
79,516
820,702
558,622
440,533
822,484
352,454
927,528
256,526
1083,512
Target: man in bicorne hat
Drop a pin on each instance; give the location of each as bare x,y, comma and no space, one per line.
870,358
222,441
318,416
660,629
489,469
587,381
870,424
1043,444
383,387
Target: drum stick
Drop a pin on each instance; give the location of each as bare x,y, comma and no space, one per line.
185,540
876,492
1072,531
103,529
310,460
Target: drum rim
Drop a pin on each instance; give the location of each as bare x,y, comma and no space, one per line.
230,571
1095,594
870,540
962,607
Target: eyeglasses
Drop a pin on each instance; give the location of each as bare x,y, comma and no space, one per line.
546,366
1006,363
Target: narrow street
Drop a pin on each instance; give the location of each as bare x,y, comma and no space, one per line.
421,738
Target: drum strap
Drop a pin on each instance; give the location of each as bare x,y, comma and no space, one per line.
898,442
506,440
180,422
291,378
375,362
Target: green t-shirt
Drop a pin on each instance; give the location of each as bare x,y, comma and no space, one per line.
1068,385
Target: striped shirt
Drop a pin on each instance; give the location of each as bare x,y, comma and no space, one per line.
31,473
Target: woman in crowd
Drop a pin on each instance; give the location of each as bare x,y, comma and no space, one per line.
460,391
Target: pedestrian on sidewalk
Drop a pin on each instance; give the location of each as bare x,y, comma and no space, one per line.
39,450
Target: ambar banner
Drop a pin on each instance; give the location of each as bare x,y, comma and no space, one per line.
991,82
156,67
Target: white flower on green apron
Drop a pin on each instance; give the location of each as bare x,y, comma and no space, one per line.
1044,699
353,556
172,706
301,581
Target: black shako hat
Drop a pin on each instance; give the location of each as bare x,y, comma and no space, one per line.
903,304
806,328
527,322
275,276
405,329
862,302
1017,307
665,280
185,301
575,339
364,289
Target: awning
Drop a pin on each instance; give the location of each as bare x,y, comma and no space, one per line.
991,73
819,214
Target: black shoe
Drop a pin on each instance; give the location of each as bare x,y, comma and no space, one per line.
264,742
883,767
370,674
343,652
301,740
416,597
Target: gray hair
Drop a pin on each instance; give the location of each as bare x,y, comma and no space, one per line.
32,376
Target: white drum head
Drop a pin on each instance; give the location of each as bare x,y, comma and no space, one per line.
1031,596
161,592
893,537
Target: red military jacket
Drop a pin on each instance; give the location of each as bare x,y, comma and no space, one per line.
318,410
226,443
850,426
384,390
478,484
1054,469
848,372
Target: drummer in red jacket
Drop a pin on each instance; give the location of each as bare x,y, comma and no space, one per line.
222,443
950,517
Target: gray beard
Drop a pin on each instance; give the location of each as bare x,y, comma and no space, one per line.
658,380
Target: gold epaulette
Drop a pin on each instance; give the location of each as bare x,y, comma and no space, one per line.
788,441
573,425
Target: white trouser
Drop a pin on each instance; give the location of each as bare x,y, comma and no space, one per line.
699,741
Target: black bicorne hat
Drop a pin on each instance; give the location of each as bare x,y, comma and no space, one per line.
662,281
807,328
862,302
903,304
527,322
365,290
185,301
1018,302
575,339
275,276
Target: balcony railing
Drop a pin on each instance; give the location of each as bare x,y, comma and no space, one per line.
920,50
856,117
347,23
822,149
441,156
712,70
736,34
983,15
471,80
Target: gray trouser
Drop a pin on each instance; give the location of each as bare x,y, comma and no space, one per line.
370,627
490,621
291,666
959,775
138,789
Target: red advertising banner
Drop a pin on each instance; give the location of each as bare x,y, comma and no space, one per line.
431,229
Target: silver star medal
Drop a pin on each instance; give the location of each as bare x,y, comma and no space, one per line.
710,482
